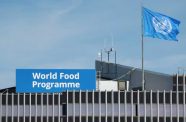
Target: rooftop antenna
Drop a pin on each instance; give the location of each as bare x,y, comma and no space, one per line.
111,49
108,50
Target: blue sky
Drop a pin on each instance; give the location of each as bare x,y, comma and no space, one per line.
70,33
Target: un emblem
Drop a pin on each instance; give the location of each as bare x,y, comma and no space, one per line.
162,25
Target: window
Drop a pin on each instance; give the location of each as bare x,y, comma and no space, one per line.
161,119
115,97
38,99
174,97
10,99
70,119
56,99
90,97
168,119
102,119
160,97
109,119
70,97
15,99
21,99
115,119
122,98
129,119
154,97
83,97
147,97
102,97
63,97
45,99
77,97
96,97
167,97
33,99
109,97
129,97
50,99
141,96
122,119
180,97
83,119
142,119
89,119
135,97
27,99
77,119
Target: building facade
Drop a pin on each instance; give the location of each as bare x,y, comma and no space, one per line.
94,106
155,104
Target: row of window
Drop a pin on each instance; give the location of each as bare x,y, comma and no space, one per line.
99,97
90,119
180,88
180,80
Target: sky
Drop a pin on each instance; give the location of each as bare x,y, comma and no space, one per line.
69,34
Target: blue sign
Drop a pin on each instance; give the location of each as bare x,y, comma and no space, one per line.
54,80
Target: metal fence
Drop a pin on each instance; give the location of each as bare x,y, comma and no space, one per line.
94,106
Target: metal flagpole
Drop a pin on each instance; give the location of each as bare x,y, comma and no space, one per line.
142,61
142,50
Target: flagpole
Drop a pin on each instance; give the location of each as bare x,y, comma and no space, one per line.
142,50
142,64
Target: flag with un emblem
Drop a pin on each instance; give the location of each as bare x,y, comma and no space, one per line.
160,26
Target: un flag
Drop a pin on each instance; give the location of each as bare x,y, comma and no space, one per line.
160,26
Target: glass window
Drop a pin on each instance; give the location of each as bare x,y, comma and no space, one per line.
147,97
10,99
122,119
168,119
174,97
70,97
167,97
76,97
83,97
38,99
77,119
115,119
15,99
96,97
56,99
33,99
141,96
90,97
27,99
180,97
21,99
122,97
154,97
102,97
109,97
44,99
89,119
135,97
160,97
4,99
129,97
115,97
63,97
109,119
83,119
50,99
161,119
102,119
